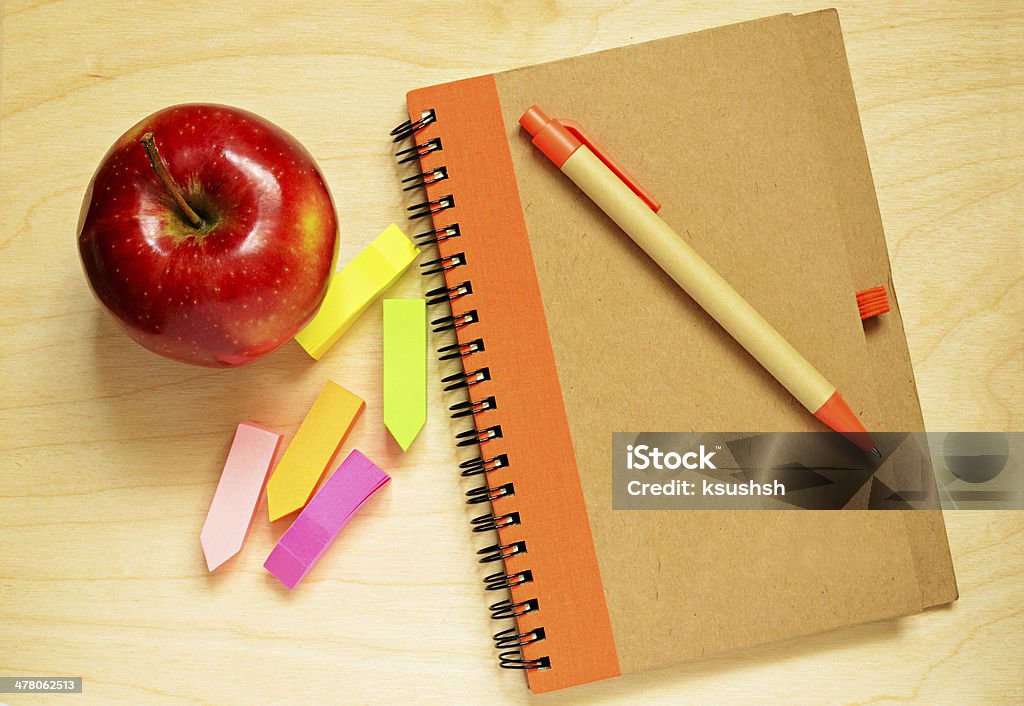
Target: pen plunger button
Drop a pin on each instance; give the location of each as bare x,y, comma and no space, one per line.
549,136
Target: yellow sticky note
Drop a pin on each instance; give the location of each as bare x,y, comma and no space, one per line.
318,438
355,286
405,368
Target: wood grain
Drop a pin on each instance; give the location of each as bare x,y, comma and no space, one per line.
109,456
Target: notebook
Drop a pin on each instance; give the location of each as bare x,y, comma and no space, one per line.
750,138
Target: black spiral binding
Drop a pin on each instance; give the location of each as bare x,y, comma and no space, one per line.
509,642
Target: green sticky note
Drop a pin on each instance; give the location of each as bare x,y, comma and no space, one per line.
405,368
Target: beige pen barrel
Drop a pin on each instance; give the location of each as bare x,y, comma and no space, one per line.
698,279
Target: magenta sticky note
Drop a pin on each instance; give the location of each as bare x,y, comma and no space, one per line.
322,520
238,492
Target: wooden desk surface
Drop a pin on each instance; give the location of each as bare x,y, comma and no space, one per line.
109,456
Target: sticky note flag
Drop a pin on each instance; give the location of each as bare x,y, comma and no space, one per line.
405,368
317,440
299,548
238,492
355,286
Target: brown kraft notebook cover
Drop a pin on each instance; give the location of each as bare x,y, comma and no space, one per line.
750,138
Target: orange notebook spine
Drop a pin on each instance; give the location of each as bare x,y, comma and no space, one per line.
562,634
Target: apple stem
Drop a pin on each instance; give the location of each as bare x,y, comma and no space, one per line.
157,162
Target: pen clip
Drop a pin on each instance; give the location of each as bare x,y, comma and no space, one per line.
577,131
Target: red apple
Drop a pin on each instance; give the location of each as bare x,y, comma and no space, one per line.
208,234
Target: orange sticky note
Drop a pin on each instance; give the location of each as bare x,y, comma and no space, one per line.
317,440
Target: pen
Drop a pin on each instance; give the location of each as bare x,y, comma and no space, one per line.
634,210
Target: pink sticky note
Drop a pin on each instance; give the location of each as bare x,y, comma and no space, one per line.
299,548
238,492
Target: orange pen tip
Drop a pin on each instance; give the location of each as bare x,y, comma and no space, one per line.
839,417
